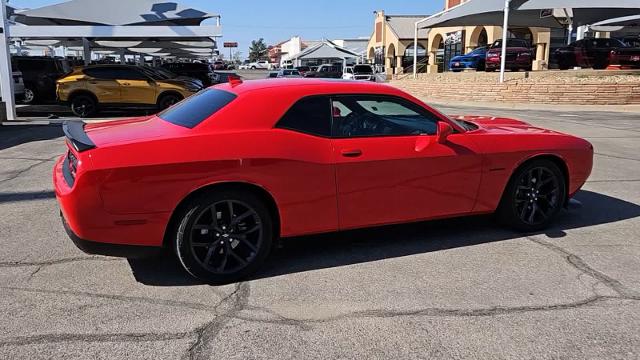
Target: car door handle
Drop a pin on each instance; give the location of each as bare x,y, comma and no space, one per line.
351,153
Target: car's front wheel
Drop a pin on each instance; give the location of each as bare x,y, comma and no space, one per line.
223,236
534,196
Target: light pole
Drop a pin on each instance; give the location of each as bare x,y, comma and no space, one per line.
505,33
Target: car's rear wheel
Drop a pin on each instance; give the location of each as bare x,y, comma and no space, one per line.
224,236
534,196
168,100
29,96
84,106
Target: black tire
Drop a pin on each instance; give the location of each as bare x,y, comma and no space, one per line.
253,68
30,95
530,204
168,100
84,106
563,63
218,248
600,65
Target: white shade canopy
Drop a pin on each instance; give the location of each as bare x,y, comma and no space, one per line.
113,12
528,12
633,20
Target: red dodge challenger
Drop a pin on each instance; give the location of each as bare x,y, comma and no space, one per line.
221,175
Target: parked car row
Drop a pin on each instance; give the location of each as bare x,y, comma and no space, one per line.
87,90
488,58
362,72
586,53
597,54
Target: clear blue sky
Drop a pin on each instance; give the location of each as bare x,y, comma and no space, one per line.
245,20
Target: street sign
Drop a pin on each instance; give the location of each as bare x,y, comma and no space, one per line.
231,44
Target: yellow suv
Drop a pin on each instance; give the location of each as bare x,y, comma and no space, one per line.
91,88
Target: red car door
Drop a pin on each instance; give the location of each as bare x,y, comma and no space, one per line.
390,168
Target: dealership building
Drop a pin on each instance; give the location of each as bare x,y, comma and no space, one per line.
391,45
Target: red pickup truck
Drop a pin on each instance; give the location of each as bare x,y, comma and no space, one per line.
519,55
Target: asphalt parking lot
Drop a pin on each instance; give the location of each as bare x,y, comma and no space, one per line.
460,288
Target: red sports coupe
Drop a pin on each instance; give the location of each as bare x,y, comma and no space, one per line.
221,175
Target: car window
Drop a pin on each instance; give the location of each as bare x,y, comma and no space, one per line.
310,115
363,69
195,109
101,73
129,74
369,116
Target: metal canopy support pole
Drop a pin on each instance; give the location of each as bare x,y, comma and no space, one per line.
415,53
570,26
505,33
6,74
86,51
122,59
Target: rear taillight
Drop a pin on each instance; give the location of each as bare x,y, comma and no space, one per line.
613,57
70,168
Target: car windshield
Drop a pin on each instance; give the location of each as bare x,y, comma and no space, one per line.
480,50
363,69
195,109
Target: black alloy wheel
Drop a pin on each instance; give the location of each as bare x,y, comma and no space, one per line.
29,96
534,196
224,237
83,106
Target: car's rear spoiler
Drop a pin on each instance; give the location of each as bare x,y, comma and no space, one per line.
74,130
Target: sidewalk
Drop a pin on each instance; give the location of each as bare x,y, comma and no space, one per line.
538,107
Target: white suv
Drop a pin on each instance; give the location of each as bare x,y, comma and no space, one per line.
263,64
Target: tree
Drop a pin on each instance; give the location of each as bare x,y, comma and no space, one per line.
236,57
257,50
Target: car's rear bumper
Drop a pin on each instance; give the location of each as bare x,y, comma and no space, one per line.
84,216
106,249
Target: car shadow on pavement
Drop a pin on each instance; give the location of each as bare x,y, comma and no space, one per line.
15,134
360,246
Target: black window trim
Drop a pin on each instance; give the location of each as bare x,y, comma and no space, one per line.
420,109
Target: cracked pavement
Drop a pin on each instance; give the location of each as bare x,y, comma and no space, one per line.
462,288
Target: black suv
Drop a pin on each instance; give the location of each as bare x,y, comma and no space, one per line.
201,71
40,74
326,71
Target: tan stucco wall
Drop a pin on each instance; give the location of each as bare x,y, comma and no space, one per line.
390,42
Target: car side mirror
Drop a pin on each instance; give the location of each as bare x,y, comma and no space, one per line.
444,130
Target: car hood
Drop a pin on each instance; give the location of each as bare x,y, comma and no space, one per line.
503,125
129,130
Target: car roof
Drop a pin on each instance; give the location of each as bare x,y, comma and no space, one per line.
310,86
